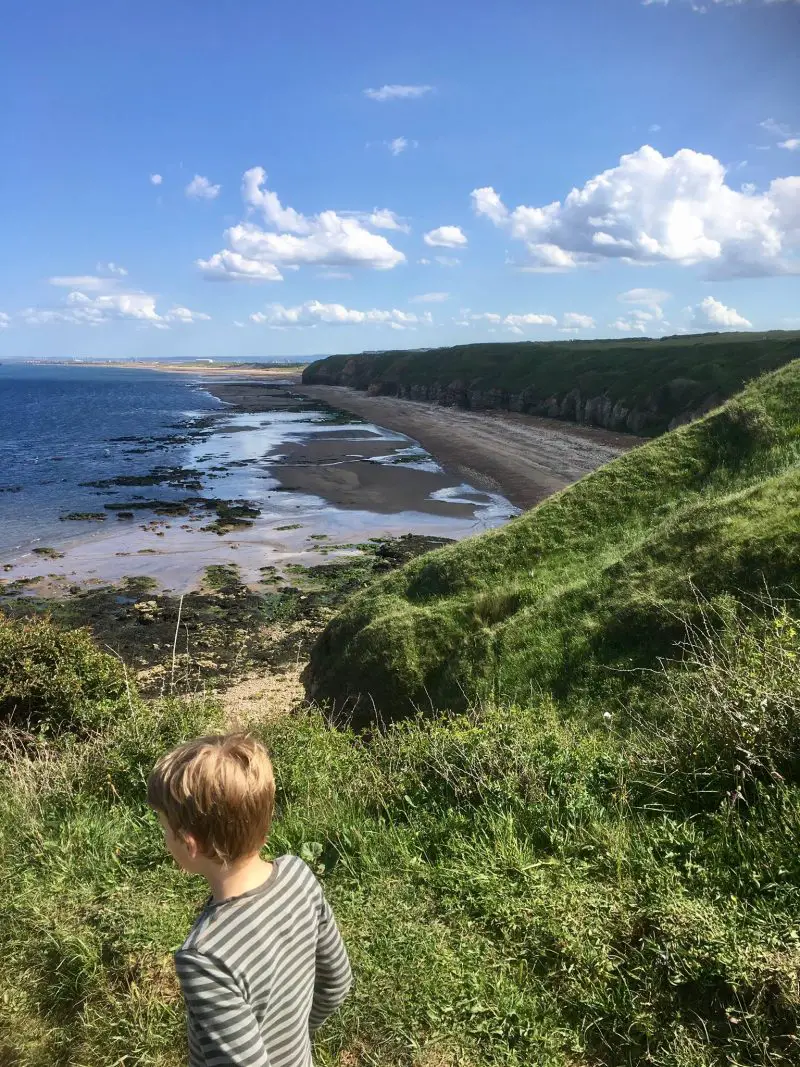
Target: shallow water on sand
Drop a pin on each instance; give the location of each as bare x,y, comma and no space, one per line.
321,481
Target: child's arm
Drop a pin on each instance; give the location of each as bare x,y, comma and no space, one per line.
222,1026
333,975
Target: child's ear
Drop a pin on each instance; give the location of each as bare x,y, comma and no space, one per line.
191,846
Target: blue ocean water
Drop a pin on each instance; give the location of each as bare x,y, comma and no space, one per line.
59,427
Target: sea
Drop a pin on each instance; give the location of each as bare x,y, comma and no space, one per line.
69,434
63,426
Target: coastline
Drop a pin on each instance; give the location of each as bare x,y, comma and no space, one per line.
283,371
525,457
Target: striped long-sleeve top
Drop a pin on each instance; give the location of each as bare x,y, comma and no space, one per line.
261,972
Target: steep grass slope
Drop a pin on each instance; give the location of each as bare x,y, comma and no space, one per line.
640,385
597,579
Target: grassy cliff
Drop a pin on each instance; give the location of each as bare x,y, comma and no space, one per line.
640,385
595,581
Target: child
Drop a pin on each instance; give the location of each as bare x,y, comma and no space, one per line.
264,965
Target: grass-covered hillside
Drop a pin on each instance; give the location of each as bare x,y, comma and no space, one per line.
640,385
594,582
515,886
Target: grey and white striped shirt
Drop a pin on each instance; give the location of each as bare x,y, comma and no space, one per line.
261,972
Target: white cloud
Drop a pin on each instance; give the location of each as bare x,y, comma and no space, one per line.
398,92
791,144
111,268
328,239
515,323
398,145
4,320
181,314
384,219
712,313
156,179
648,297
572,320
313,312
653,208
777,129
106,303
89,282
447,261
200,188
430,298
644,318
445,237
654,128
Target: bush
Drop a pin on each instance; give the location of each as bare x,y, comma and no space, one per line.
732,708
55,679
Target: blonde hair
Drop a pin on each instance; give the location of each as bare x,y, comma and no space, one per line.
221,790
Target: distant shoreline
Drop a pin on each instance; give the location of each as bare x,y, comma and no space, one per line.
250,370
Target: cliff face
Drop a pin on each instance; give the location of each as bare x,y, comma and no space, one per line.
644,386
573,406
601,410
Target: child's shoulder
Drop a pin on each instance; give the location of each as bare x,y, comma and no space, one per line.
292,876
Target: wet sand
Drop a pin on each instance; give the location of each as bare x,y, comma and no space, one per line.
524,457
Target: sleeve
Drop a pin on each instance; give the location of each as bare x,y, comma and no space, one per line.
333,975
223,1032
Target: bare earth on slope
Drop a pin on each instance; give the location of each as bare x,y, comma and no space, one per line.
525,457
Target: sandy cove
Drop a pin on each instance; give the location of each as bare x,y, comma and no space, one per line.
524,457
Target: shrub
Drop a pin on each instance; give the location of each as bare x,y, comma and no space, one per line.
55,679
732,709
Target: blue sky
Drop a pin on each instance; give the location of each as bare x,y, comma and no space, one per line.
309,178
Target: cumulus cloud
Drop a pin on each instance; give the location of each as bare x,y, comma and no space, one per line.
111,268
200,188
445,237
430,298
398,92
93,301
398,145
791,144
313,312
326,240
181,314
572,320
648,317
711,313
4,320
515,323
156,179
654,209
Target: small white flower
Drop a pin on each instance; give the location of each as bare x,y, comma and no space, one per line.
607,716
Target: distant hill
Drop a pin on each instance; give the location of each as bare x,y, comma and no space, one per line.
595,580
640,386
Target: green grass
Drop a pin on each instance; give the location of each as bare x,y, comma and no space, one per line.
515,887
657,381
597,580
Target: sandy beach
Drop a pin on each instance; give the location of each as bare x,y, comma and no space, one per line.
524,457
285,371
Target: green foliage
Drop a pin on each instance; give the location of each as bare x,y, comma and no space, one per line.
647,384
55,679
597,580
516,885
